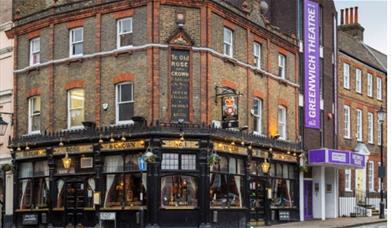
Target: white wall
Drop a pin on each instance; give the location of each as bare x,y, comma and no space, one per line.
347,205
331,197
318,199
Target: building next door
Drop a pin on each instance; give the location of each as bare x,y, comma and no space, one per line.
308,210
74,203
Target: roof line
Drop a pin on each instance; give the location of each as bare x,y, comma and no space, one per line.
377,59
354,57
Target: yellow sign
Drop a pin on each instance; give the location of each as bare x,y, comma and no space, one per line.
284,157
228,148
121,145
259,153
73,149
30,153
180,144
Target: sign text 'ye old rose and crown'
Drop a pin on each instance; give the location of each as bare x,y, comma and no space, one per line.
180,65
311,65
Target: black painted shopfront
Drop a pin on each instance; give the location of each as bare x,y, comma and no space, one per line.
111,181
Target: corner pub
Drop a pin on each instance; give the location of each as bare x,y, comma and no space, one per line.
164,113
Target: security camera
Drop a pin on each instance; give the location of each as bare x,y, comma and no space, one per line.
105,106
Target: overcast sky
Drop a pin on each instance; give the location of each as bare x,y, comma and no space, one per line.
372,15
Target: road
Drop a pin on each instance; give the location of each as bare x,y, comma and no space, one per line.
378,225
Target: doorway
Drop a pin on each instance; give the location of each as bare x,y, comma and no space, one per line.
257,199
308,210
75,194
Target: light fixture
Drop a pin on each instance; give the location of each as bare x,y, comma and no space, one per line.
180,19
66,161
288,152
265,166
242,143
233,143
61,143
111,138
3,126
27,147
149,156
294,154
123,137
182,137
100,139
250,146
381,114
275,136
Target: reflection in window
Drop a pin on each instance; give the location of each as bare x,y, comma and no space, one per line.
177,191
282,193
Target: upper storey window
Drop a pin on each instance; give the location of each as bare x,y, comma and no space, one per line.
228,40
358,81
370,87
282,66
282,122
34,120
75,108
76,42
35,48
257,55
346,76
379,89
125,102
124,32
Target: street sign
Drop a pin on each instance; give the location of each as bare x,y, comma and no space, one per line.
107,216
141,163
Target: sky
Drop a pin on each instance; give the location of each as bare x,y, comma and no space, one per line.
372,15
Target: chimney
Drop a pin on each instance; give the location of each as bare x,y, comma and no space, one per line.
350,23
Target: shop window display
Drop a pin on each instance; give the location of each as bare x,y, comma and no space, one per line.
178,191
283,186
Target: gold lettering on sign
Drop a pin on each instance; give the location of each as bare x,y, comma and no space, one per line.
284,157
259,153
30,153
73,149
180,144
224,147
121,145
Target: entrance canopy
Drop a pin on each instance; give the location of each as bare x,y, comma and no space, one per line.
335,158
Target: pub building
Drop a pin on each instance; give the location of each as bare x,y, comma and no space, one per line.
166,174
154,113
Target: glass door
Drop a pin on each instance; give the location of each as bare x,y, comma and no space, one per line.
257,199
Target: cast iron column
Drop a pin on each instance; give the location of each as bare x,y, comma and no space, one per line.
99,182
153,185
204,185
52,185
381,216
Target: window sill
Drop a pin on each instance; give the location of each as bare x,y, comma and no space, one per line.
33,133
135,208
348,190
73,128
228,208
130,122
178,208
31,210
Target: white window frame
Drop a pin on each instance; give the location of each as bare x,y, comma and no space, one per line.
346,110
359,125
346,76
31,115
117,103
258,116
348,180
119,32
282,65
34,41
69,108
379,91
370,127
282,122
358,80
257,53
371,179
72,42
369,85
229,42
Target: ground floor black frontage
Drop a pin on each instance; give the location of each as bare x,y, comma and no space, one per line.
161,176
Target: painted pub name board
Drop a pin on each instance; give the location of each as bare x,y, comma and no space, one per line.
180,68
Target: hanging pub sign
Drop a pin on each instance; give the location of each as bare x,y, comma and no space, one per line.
180,65
230,111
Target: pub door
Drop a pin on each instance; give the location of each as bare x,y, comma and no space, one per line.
74,202
257,200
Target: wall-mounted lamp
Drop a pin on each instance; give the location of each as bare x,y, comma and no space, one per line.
4,124
66,161
180,19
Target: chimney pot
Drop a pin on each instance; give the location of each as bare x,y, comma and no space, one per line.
351,15
347,16
356,14
342,22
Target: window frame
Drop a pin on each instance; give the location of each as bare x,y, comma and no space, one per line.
371,179
119,33
348,187
32,52
118,103
379,86
370,127
358,81
347,125
31,114
69,108
284,133
257,47
71,42
229,44
369,85
359,122
258,116
179,162
346,76
282,65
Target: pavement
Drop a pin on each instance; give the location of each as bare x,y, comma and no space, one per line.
335,223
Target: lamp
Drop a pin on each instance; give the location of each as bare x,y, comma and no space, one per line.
381,173
3,126
66,161
381,114
265,166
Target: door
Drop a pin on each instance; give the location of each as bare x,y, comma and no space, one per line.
74,203
308,199
257,199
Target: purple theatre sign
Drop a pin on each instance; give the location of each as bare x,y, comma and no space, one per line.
335,158
311,65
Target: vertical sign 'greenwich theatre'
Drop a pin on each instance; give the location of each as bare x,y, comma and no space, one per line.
311,65
180,61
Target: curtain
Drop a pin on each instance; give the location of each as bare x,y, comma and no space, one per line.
238,186
91,182
113,164
144,180
47,182
288,189
60,185
24,187
109,183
